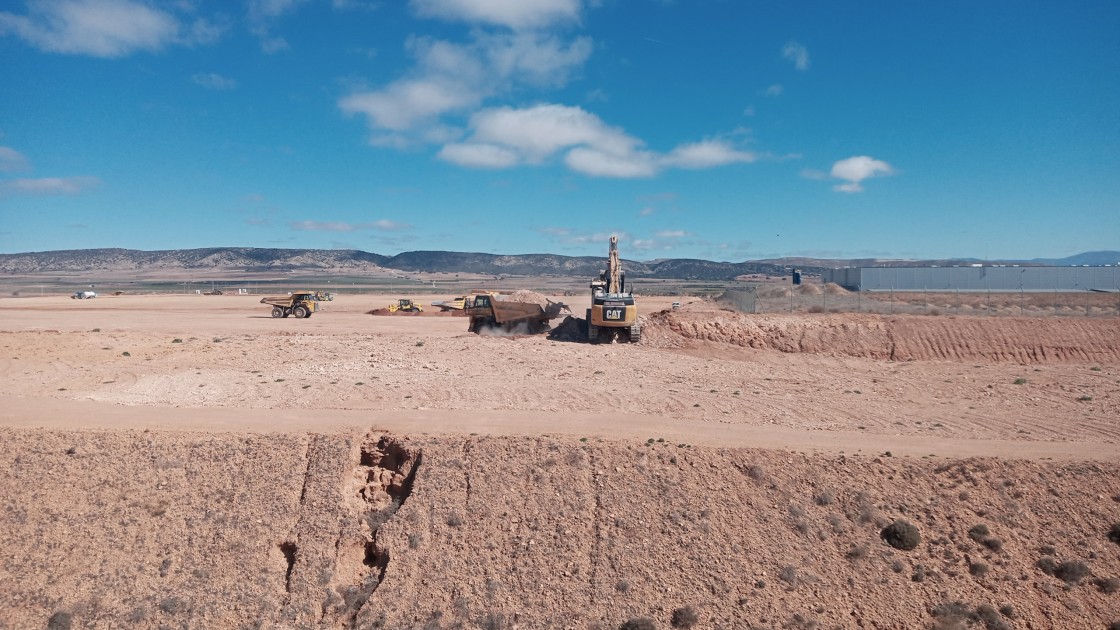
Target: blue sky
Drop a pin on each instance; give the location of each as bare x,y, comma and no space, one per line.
718,129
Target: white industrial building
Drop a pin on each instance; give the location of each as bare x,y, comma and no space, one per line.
978,278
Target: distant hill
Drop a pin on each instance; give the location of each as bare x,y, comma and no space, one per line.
249,259
1085,258
255,259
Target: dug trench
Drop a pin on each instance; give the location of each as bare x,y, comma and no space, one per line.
152,529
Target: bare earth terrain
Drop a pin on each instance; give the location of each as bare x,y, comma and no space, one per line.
189,461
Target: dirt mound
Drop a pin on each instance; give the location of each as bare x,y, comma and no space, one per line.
809,289
571,329
526,296
902,338
832,288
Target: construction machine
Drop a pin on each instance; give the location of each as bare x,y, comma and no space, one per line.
613,314
406,305
299,304
489,313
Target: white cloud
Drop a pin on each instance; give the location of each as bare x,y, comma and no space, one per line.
12,160
856,169
403,105
48,185
798,54
647,211
213,81
706,154
539,132
672,234
516,14
103,28
773,90
597,163
504,137
450,78
749,111
383,225
479,155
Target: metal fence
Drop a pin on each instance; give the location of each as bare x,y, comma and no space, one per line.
745,301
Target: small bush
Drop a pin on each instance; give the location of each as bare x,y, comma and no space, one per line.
1007,610
454,520
126,354
684,617
1020,381
1114,533
824,498
901,535
59,621
977,569
1108,585
176,340
1070,571
788,574
622,586
859,552
638,623
993,543
419,343
978,532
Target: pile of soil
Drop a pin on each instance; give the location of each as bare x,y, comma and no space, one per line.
526,296
571,329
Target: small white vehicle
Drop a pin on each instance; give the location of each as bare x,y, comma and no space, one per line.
83,295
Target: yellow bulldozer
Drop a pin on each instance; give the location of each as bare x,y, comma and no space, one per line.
613,314
406,305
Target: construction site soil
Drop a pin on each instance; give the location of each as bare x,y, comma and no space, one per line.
188,461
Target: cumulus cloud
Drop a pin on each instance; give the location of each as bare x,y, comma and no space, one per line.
773,90
451,78
48,185
516,14
12,160
797,54
672,234
103,28
707,154
503,137
856,169
213,81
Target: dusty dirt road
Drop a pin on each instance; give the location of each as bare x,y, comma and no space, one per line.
189,461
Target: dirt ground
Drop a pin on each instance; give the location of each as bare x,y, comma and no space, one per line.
189,461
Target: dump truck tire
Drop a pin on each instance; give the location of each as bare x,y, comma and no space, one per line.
300,312
277,311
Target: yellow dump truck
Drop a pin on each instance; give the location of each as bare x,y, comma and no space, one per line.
489,313
300,305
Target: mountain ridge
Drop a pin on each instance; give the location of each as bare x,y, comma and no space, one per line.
257,259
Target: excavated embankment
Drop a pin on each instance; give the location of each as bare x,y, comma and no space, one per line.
898,338
167,529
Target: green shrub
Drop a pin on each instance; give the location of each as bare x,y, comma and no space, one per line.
684,617
901,535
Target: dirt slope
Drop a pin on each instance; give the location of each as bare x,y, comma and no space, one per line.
167,529
1023,341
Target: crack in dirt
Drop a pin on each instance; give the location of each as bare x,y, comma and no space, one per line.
597,526
383,478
